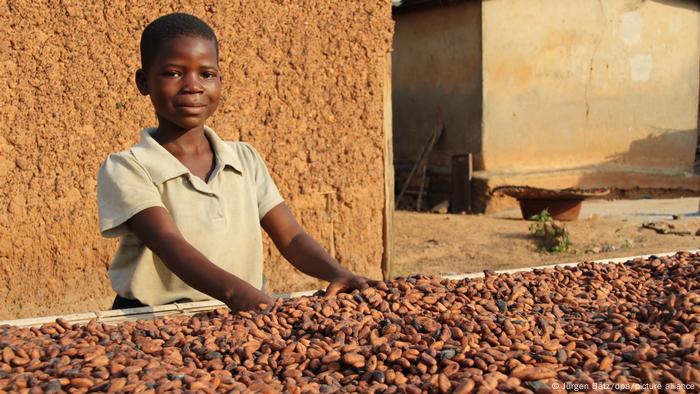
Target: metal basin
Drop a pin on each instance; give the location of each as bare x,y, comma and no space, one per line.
560,209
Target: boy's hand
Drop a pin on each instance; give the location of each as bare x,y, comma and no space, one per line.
249,299
348,283
307,255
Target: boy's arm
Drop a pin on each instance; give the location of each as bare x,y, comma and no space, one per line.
157,230
306,254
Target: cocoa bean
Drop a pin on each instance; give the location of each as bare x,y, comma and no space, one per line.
353,359
466,387
574,325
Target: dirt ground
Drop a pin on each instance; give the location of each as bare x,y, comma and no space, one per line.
445,244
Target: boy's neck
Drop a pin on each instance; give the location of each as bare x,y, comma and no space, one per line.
179,141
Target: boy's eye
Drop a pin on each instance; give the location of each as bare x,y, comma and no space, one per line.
171,73
209,74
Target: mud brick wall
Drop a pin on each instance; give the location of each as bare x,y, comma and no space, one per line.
302,83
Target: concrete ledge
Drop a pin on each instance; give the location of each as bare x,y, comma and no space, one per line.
618,176
626,181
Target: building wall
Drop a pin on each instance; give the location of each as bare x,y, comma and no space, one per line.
607,85
302,83
436,78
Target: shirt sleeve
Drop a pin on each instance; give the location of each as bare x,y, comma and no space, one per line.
124,189
266,190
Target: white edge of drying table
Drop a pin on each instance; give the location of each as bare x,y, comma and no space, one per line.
190,308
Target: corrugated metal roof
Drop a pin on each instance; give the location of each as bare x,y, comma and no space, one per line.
405,4
402,5
410,3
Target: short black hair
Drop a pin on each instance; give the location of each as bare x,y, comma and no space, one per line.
170,26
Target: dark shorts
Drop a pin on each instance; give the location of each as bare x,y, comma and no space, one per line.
125,303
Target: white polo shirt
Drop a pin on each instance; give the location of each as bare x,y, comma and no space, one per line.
220,218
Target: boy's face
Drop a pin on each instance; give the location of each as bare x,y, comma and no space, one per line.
183,81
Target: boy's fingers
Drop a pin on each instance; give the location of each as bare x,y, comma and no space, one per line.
333,289
373,282
366,282
363,283
358,282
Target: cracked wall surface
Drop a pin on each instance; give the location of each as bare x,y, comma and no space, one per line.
302,83
595,83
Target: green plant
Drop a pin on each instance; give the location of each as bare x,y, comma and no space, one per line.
543,216
554,237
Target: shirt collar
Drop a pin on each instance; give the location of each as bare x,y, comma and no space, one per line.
223,151
162,165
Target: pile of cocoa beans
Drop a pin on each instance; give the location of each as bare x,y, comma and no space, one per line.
632,327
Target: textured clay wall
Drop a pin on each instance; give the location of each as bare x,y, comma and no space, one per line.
303,83
436,78
612,84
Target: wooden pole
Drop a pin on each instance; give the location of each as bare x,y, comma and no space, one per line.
460,198
388,220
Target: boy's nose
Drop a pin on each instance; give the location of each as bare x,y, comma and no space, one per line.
192,84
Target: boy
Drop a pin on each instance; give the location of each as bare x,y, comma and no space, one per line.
187,205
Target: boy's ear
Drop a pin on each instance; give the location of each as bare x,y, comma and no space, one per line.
141,82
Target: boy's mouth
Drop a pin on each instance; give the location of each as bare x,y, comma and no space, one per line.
190,105
193,109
